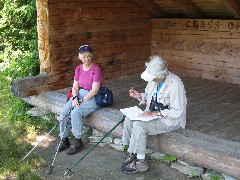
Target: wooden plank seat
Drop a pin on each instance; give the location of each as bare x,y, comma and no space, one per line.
200,143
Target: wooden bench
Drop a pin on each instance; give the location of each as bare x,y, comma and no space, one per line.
192,146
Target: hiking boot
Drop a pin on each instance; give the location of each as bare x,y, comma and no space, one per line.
76,147
129,158
65,144
134,167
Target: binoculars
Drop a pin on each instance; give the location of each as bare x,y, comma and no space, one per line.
155,106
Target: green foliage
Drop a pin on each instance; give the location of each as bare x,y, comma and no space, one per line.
125,148
15,128
170,158
18,24
148,156
215,177
18,38
21,65
192,174
18,58
10,131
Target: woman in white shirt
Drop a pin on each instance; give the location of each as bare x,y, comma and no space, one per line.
164,96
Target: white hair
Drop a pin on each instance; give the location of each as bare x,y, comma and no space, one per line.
157,66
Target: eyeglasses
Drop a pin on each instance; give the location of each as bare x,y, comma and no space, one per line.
86,57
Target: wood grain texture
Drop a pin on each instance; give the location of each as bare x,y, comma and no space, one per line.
233,6
30,86
43,35
115,30
199,48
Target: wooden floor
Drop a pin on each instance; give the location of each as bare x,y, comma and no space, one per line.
213,107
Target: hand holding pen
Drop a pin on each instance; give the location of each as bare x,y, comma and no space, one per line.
133,93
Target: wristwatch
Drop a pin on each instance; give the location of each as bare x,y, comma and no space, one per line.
80,100
159,114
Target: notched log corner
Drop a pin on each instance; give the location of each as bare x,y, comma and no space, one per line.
34,85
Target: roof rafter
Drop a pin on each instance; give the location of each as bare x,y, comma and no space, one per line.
152,8
189,8
233,6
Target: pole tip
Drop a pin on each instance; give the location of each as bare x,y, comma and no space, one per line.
68,170
50,170
66,173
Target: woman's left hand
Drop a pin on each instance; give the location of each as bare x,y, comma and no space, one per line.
153,113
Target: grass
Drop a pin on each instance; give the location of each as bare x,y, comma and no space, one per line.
17,129
215,177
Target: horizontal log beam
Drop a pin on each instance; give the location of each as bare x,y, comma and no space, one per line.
189,8
233,6
34,85
153,9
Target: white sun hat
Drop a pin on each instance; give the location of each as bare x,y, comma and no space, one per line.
155,68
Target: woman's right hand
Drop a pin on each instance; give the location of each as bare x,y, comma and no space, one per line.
133,93
75,102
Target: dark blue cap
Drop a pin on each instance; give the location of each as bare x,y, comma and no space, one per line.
85,48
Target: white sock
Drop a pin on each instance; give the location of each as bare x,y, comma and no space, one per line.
141,157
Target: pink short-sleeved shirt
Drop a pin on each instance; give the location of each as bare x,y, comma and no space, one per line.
86,78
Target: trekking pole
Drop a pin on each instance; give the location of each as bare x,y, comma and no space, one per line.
39,142
44,137
69,170
58,146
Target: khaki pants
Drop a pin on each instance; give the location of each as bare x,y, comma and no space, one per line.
135,133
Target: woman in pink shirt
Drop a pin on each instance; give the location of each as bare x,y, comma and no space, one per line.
87,81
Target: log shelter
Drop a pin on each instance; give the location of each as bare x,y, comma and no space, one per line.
200,40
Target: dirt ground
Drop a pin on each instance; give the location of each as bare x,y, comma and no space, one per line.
102,163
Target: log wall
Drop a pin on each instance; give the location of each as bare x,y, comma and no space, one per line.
123,36
205,48
118,31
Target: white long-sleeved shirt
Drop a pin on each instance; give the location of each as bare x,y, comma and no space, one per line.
173,94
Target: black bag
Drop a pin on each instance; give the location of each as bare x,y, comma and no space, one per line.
104,97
